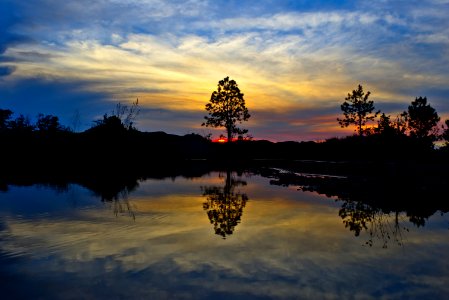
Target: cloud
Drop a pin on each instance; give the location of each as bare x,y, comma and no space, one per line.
172,121
8,36
285,57
292,21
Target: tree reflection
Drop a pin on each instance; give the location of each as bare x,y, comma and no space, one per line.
224,206
114,191
376,202
121,205
381,226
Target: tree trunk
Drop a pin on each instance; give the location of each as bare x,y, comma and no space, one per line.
360,126
229,134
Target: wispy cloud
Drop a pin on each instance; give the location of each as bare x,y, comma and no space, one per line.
171,54
293,21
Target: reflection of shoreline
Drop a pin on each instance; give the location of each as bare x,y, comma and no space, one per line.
367,193
290,242
377,204
224,206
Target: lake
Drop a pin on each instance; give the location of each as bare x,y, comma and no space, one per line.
222,235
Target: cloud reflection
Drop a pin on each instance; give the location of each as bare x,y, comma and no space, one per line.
288,244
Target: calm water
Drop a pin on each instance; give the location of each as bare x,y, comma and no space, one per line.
219,236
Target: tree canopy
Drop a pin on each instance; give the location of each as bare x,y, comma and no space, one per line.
48,123
385,126
5,114
21,124
227,108
357,110
422,120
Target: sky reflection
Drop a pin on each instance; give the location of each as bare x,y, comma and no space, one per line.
289,244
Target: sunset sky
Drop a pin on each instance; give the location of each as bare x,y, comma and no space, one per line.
295,61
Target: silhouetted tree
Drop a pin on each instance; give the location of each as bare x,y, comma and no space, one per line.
5,115
48,123
385,126
357,110
110,124
127,115
224,206
122,118
226,108
391,128
400,123
21,124
422,120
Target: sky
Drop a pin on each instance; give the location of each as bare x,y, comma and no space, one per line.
295,61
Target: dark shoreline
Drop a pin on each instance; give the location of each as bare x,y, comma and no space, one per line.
391,173
420,189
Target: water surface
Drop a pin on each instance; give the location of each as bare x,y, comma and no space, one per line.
217,236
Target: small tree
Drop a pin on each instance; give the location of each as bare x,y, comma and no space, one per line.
5,115
388,127
226,108
400,123
357,110
121,119
385,126
21,124
110,123
422,120
48,123
127,115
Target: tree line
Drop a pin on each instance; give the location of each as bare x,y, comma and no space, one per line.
23,124
420,121
227,109
121,119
